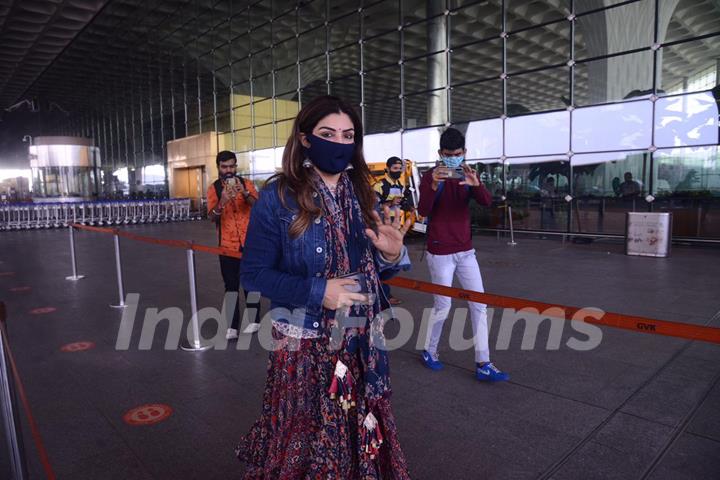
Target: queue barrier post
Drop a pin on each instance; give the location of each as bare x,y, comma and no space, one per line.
74,277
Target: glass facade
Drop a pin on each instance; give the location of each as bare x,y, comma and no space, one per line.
575,111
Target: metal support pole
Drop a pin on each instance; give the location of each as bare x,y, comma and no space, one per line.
195,345
10,417
118,269
74,276
512,232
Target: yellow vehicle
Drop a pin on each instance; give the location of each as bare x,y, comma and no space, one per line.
410,178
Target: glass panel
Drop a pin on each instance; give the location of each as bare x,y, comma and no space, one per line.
688,67
223,121
419,109
615,30
380,18
284,27
415,11
490,173
339,8
312,43
286,80
286,106
537,134
425,37
538,47
535,190
421,146
310,15
478,61
582,6
380,147
687,184
242,117
241,94
347,88
313,90
239,23
263,86
283,130
686,120
382,50
261,37
240,48
240,70
313,71
221,55
484,139
260,12
476,22
345,61
605,187
538,91
521,15
264,136
417,73
285,54
476,101
261,64
622,126
687,20
382,83
383,116
279,7
613,79
344,31
263,112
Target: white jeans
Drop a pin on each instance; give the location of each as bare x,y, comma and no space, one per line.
442,268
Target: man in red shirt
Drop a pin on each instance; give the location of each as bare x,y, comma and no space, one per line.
229,200
445,193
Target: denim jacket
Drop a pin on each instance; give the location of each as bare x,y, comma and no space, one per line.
291,271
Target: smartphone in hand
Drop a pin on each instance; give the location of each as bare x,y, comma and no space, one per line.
359,278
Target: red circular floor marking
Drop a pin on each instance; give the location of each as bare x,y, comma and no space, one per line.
42,310
7,274
20,289
77,346
147,414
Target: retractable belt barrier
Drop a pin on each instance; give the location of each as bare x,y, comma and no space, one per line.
616,320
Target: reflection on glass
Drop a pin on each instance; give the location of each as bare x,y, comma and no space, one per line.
615,30
345,61
425,109
686,19
535,190
313,71
381,146
382,50
421,146
538,47
613,79
477,61
380,18
312,43
686,120
686,182
285,53
520,16
484,139
540,134
426,37
475,22
286,80
382,83
384,116
688,67
623,126
344,31
347,88
538,91
477,101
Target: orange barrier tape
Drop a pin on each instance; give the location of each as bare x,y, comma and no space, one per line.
617,320
34,430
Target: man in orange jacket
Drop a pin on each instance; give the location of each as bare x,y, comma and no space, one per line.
229,200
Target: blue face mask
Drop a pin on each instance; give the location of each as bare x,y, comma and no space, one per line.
330,157
453,162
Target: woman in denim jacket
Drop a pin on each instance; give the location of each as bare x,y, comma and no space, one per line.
326,408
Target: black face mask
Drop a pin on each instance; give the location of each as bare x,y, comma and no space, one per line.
394,175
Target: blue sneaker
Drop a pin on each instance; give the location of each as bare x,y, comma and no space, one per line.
490,373
431,361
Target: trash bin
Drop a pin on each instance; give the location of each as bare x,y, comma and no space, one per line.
648,234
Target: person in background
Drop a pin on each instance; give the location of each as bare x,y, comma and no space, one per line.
445,201
318,249
396,196
629,188
229,201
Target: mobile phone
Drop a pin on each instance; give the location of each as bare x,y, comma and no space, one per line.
360,286
456,172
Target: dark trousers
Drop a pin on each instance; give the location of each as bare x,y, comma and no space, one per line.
230,269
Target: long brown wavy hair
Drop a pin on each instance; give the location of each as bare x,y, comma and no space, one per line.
296,180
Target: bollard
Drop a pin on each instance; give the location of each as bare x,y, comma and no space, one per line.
10,418
74,277
195,345
512,232
118,269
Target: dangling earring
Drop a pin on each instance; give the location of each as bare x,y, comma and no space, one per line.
307,163
349,167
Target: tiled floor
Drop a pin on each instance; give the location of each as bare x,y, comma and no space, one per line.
637,406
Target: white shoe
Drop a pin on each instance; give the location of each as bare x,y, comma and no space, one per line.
252,328
231,334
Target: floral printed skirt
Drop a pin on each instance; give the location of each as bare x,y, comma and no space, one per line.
304,434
